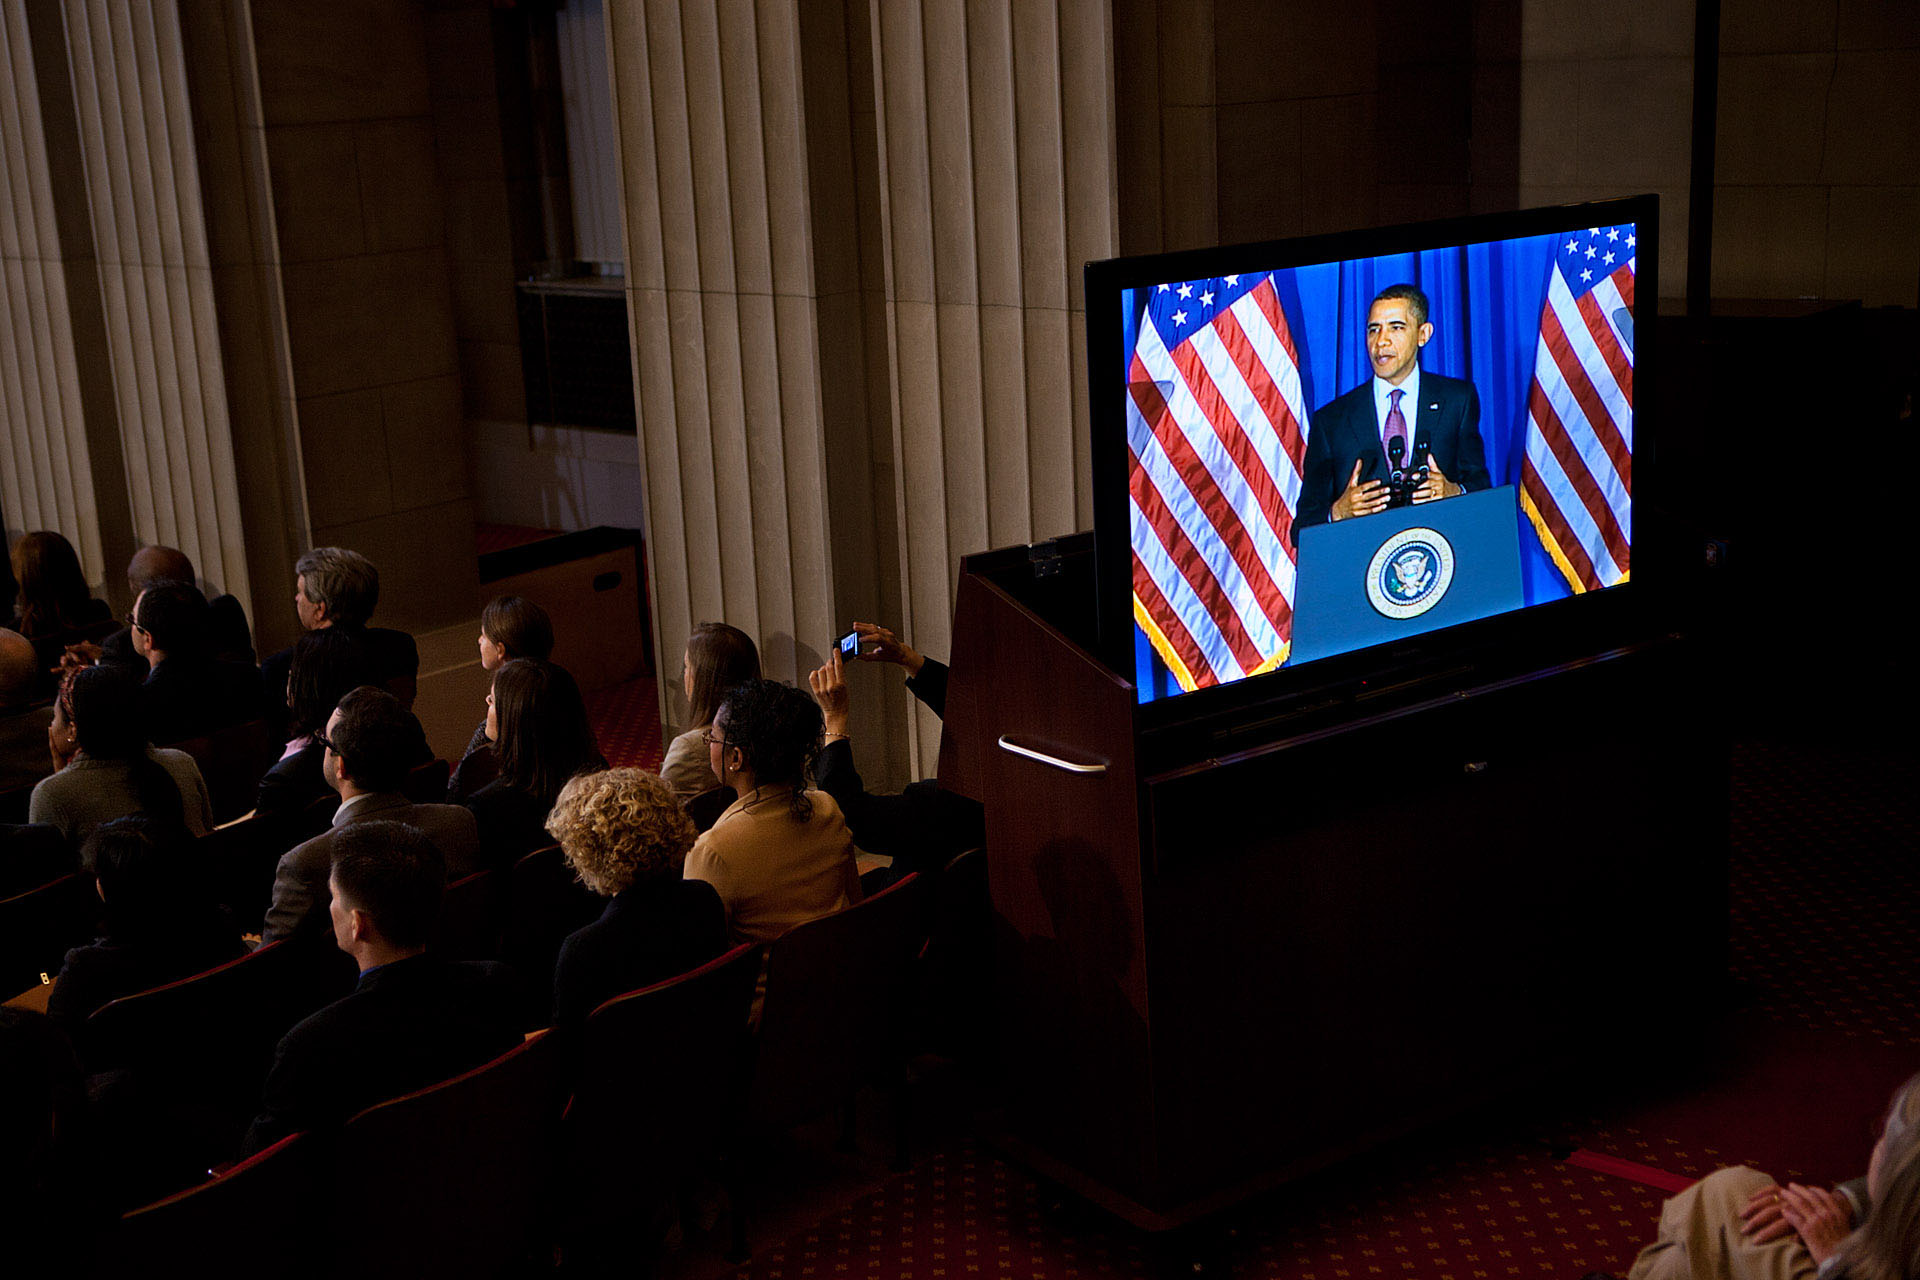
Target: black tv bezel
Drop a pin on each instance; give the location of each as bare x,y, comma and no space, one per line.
1552,631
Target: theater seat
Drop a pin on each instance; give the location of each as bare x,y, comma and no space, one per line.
255,1218
448,1180
705,809
232,760
38,927
544,903
427,783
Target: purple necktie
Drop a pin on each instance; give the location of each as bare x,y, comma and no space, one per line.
1396,426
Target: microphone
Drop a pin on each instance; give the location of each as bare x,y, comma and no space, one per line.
1396,451
1420,452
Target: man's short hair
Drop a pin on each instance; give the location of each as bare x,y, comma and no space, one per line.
19,669
174,616
377,739
1410,294
153,564
395,874
344,581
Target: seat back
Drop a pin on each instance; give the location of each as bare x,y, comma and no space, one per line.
31,854
953,1007
232,760
448,1180
38,927
705,809
658,1083
14,802
469,927
238,859
427,783
544,903
256,1216
835,997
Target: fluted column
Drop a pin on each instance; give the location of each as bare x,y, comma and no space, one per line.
46,467
150,243
995,131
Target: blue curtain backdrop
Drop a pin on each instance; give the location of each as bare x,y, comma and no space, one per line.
1484,302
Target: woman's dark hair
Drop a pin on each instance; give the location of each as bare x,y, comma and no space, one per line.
519,626
721,657
144,879
53,590
544,734
327,665
777,728
102,703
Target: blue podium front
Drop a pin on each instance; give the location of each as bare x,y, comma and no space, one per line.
1406,571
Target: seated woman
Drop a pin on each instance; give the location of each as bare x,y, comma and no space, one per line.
718,657
1737,1223
538,725
159,927
510,627
626,837
107,770
780,855
55,606
327,665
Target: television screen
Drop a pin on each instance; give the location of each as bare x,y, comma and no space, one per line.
1336,443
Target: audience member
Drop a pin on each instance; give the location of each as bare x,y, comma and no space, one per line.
626,837
54,596
327,665
414,1018
107,770
229,639
370,744
335,587
1737,1224
780,855
718,657
23,721
542,736
510,627
923,827
188,692
160,924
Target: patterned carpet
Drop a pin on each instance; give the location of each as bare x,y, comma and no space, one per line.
1825,953
626,720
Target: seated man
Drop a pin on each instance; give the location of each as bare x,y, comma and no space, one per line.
335,587
24,758
412,1020
229,639
188,692
923,827
371,741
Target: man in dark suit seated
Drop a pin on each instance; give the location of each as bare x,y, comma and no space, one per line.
188,692
371,741
1435,419
335,587
412,1020
923,827
24,755
229,639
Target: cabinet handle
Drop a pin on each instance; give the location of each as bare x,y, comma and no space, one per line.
1044,758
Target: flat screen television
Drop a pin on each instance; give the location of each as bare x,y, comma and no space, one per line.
1324,457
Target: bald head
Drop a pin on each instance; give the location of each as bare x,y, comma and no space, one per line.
157,564
18,669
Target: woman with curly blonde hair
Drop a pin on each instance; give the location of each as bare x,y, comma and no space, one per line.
626,837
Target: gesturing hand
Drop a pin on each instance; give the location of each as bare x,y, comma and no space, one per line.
829,685
1436,485
1359,499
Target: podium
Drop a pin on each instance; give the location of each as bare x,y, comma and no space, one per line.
1350,593
1299,934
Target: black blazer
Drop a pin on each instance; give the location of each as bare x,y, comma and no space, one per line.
1347,430
184,699
109,968
406,1025
293,783
648,933
512,823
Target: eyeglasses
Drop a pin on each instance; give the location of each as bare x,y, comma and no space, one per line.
325,743
706,736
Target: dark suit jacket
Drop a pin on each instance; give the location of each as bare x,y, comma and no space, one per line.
648,933
109,968
183,698
407,1025
512,823
1347,430
392,654
293,783
300,893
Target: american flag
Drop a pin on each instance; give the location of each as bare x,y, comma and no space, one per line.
1576,482
1217,426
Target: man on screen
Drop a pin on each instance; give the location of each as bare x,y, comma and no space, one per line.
1349,444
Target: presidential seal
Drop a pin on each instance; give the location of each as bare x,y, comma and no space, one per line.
1410,573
